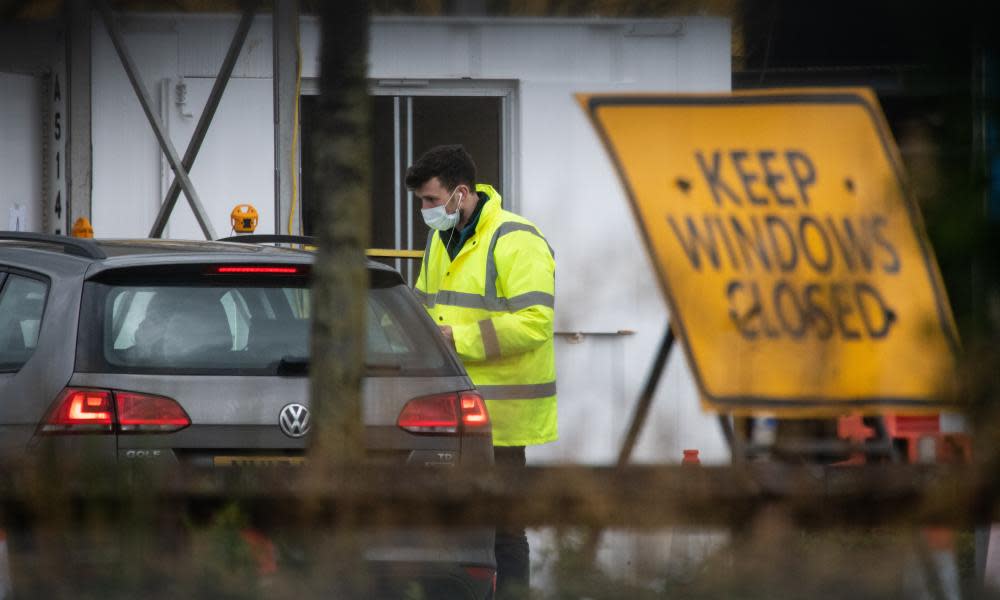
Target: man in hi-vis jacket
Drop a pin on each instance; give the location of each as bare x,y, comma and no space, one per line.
488,281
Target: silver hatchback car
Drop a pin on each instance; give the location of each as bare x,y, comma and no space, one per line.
196,353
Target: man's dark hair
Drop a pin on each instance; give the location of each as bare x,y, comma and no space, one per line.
452,165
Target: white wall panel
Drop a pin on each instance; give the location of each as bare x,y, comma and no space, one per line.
234,165
203,42
400,50
544,53
591,383
700,64
571,191
643,62
126,192
20,151
236,162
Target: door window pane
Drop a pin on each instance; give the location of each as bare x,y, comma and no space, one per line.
403,128
473,122
22,302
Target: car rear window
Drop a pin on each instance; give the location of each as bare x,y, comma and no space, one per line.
247,328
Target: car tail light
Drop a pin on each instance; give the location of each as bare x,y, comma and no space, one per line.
444,413
482,574
430,414
139,412
79,410
474,414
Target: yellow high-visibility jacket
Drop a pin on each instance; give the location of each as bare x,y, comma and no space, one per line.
498,296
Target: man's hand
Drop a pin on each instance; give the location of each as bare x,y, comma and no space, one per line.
449,336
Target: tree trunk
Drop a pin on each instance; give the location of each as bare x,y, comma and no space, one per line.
341,180
340,174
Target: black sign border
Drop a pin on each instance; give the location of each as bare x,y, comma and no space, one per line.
839,98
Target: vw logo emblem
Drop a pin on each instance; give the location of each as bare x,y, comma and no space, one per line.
294,420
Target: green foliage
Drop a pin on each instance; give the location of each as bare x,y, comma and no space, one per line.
221,563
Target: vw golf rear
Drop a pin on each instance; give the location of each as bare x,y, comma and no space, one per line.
197,353
206,364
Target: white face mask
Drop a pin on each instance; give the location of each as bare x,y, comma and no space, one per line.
438,217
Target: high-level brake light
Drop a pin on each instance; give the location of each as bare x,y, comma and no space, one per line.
247,270
444,413
79,410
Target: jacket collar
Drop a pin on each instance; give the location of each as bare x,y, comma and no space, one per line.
493,204
488,209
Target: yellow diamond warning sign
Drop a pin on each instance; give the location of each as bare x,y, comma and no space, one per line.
797,271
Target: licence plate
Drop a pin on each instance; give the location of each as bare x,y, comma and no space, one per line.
258,461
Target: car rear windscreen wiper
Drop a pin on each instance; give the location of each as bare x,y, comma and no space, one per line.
293,365
383,366
296,365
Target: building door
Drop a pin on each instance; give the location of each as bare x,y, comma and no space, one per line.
405,124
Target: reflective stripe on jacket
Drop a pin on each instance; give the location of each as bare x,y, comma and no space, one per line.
498,296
